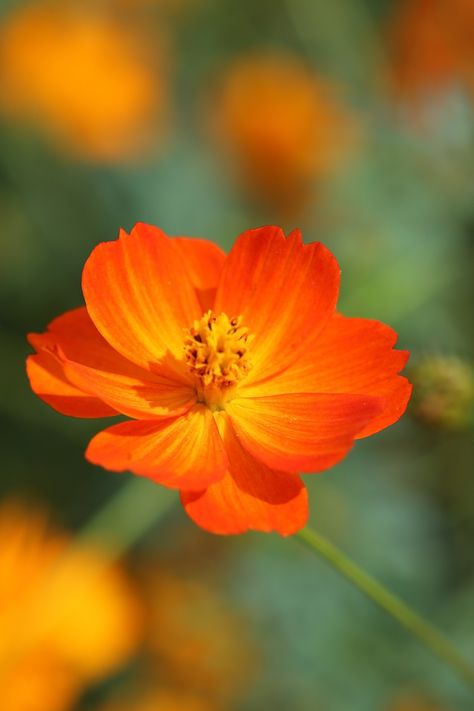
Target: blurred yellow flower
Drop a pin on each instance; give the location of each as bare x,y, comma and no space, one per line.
65,614
199,641
282,124
86,80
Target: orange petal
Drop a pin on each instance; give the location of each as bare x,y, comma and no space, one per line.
47,380
140,397
284,290
139,295
74,349
352,355
181,452
250,496
301,431
396,394
76,333
204,261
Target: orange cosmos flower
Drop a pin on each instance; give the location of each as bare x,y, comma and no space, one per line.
199,642
283,125
433,47
83,77
67,616
237,371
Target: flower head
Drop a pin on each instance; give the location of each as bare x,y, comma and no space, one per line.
283,125
67,615
236,371
443,391
433,47
199,641
84,78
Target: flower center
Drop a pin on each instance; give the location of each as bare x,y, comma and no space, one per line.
216,352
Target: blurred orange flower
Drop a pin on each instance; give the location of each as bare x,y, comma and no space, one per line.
199,642
67,617
433,47
237,371
283,126
84,78
414,703
160,700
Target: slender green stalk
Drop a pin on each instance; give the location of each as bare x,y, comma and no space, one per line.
126,517
139,504
424,631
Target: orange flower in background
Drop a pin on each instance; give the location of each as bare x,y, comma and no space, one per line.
200,643
415,703
65,615
433,47
160,700
84,78
237,370
283,126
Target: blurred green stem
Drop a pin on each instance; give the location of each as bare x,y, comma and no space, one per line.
126,517
424,631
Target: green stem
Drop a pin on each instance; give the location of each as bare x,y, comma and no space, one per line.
424,631
126,517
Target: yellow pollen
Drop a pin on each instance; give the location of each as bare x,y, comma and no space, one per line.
216,351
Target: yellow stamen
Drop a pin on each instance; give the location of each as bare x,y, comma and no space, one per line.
216,351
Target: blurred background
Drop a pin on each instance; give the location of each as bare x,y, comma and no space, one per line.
352,119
